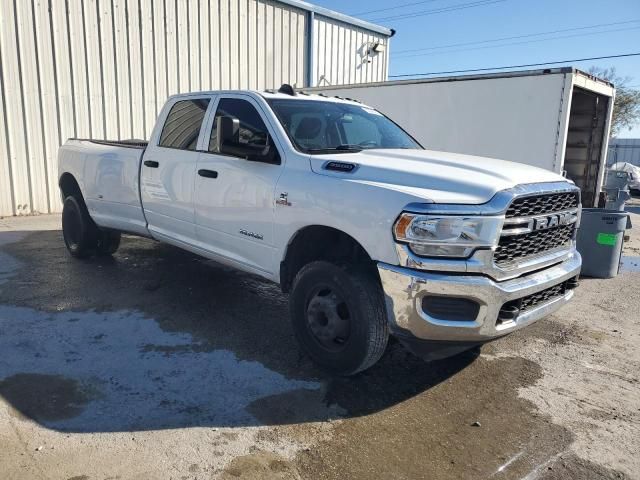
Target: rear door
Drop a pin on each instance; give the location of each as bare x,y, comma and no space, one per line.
234,197
169,166
585,137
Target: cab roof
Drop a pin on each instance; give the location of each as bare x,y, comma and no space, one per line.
275,94
302,95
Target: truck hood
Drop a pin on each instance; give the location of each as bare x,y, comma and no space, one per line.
439,177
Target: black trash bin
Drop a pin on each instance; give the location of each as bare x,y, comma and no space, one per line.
600,239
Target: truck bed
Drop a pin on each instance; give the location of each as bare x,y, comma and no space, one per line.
108,172
128,143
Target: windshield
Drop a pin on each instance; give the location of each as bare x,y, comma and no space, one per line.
318,127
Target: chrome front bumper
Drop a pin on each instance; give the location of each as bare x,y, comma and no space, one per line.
404,289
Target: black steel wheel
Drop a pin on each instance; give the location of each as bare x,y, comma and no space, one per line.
328,318
339,317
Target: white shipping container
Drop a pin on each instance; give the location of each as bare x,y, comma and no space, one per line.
557,119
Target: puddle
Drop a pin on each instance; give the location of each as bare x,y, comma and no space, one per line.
141,377
630,263
8,264
297,406
44,397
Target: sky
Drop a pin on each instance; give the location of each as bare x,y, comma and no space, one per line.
569,29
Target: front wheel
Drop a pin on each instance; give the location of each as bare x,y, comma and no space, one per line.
339,317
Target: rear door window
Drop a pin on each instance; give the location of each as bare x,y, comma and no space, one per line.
182,127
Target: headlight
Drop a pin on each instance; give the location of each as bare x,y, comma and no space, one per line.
447,235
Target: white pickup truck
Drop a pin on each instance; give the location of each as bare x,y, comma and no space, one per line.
370,233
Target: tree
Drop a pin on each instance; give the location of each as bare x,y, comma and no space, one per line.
626,109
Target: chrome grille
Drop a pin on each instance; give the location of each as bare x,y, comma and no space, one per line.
539,298
541,204
530,302
513,248
525,236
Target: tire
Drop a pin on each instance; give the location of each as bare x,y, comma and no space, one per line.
79,231
339,317
108,242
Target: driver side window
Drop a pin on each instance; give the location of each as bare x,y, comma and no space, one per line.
253,131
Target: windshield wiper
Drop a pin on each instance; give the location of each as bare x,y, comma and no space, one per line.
340,148
351,148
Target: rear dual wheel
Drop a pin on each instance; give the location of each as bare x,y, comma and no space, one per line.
108,242
81,235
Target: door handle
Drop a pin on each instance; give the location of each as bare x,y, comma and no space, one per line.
208,173
151,163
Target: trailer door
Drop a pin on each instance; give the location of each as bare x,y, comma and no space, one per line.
587,130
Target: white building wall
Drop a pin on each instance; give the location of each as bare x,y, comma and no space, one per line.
103,69
343,54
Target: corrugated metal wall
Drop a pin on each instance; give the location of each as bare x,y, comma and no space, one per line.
343,55
103,69
624,150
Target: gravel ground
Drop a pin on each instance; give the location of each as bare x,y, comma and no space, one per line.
158,364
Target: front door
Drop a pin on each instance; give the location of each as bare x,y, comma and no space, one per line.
168,170
234,197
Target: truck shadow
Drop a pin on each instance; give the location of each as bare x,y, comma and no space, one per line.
157,338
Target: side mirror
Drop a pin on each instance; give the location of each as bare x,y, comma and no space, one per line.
228,139
227,132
